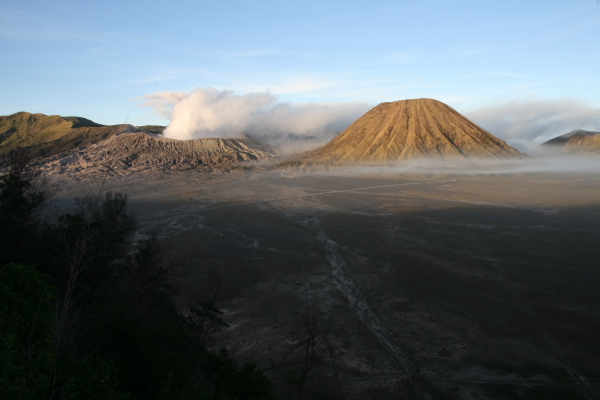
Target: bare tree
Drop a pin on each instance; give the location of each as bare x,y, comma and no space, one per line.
311,324
81,250
205,319
24,196
335,369
302,358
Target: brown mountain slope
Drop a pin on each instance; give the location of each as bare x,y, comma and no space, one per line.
138,151
576,142
46,135
409,129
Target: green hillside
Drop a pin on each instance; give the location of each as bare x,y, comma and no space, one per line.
79,122
46,135
152,128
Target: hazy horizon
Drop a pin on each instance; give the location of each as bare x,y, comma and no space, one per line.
524,72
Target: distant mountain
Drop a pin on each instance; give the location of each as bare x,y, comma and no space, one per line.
576,142
405,130
47,135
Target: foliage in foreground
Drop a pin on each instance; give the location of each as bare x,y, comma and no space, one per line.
95,320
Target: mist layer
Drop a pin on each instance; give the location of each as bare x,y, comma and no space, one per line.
526,124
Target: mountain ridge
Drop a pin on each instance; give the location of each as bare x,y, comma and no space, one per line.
46,135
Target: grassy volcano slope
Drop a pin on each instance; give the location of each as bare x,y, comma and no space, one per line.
409,129
46,135
152,128
79,122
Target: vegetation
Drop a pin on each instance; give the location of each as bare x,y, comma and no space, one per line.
94,318
79,122
152,128
46,135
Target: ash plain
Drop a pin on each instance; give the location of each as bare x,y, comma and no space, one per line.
427,286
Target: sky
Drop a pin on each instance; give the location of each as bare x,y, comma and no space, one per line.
525,71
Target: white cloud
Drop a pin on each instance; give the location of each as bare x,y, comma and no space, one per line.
536,121
287,127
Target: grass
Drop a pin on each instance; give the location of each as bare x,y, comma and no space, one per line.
152,128
47,135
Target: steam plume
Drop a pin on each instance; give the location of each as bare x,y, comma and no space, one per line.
286,127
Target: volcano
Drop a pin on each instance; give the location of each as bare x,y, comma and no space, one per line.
139,151
406,130
576,142
75,144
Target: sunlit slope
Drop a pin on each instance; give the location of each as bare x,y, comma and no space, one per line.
410,129
46,135
576,142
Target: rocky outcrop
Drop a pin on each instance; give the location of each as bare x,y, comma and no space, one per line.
406,130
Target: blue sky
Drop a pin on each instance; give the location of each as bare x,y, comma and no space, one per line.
97,58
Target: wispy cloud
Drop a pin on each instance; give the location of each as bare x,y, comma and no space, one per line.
485,74
289,86
470,52
161,102
404,57
563,34
21,25
513,82
250,53
516,88
166,75
153,79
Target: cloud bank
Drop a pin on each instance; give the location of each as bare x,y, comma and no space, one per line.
526,124
292,127
286,127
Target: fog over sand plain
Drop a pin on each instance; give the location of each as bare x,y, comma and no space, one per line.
426,285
